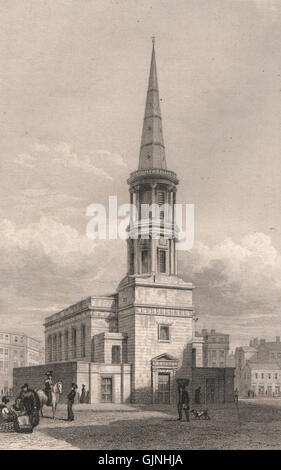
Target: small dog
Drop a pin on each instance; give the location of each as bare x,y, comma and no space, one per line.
200,414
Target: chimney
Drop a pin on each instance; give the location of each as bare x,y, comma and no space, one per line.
262,341
277,339
251,343
204,332
255,342
213,332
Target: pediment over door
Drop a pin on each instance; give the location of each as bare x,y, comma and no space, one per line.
165,361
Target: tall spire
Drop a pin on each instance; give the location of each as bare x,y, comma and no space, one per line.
152,150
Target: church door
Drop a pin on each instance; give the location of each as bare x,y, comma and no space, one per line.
163,388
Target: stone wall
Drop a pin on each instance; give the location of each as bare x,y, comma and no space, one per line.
35,376
223,380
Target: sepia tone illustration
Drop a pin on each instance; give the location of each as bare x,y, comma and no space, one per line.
140,254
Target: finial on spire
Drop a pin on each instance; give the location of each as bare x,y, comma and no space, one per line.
153,40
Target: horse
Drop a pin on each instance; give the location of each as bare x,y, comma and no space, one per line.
56,393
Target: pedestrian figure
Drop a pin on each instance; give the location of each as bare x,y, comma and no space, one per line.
236,395
183,401
83,394
31,403
198,396
5,412
70,398
48,387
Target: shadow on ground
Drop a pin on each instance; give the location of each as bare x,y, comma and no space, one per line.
251,426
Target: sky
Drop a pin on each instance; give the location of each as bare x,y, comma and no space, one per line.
73,80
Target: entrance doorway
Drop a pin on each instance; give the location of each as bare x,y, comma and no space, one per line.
106,390
210,390
163,388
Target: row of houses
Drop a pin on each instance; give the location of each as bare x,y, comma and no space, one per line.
17,350
258,368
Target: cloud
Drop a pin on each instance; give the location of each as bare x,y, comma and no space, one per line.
47,265
39,147
114,158
238,285
249,271
25,159
68,158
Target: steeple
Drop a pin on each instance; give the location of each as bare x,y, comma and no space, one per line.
152,150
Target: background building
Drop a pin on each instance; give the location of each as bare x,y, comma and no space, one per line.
260,353
215,348
260,379
17,350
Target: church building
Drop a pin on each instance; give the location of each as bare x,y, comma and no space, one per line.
133,345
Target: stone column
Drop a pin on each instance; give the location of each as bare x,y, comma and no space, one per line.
54,348
153,250
135,242
172,256
138,206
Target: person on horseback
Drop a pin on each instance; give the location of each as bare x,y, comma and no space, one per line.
48,387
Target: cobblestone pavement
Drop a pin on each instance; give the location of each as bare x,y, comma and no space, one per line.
36,440
43,441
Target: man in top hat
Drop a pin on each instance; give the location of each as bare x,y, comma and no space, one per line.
31,403
48,387
70,401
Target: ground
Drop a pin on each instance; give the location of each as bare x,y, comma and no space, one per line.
255,424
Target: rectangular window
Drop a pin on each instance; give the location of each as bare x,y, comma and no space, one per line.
276,376
257,376
162,261
269,376
262,376
116,354
7,338
164,333
6,352
1,337
222,353
106,390
1,351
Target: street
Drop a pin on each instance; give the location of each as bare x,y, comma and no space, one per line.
255,424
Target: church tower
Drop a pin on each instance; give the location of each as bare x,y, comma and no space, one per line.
155,310
152,240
